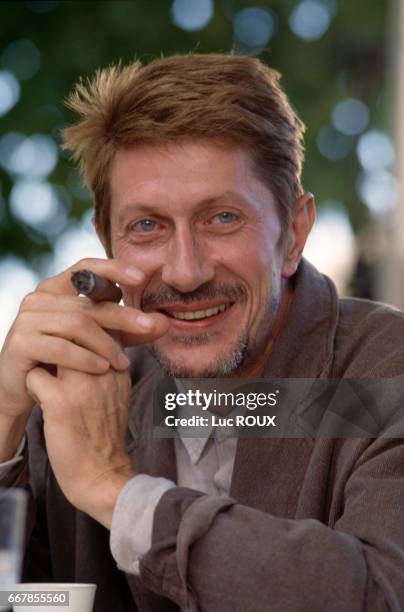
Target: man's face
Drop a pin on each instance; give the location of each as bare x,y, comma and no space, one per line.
206,233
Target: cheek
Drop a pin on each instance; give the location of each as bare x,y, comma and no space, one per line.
264,267
250,256
257,262
148,260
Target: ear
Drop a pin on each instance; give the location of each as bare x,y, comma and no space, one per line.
304,215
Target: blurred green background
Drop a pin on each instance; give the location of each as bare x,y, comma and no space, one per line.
337,62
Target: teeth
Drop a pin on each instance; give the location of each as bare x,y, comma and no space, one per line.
199,314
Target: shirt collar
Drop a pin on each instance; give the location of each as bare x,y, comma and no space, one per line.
194,438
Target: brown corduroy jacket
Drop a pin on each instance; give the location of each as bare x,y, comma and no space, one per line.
310,524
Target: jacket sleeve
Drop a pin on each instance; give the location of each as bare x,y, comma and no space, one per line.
213,554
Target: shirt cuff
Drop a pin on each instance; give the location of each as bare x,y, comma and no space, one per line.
132,520
7,466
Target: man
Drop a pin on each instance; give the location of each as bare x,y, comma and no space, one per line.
195,164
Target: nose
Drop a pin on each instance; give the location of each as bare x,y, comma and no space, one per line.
188,265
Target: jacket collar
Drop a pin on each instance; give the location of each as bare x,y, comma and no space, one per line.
304,349
305,346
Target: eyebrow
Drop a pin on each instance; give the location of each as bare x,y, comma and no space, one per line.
147,209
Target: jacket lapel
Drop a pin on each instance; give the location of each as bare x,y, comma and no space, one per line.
303,349
305,346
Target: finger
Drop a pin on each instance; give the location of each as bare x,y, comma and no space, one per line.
112,269
60,352
42,301
41,385
136,326
78,328
160,326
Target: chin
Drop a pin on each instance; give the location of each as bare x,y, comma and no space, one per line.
192,361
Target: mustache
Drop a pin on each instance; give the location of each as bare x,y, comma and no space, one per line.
166,295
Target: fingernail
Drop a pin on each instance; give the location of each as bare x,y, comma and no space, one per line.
123,360
146,322
134,274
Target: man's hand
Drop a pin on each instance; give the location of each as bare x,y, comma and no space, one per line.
85,419
56,327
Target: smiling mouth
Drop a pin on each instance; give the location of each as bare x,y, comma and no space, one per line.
196,315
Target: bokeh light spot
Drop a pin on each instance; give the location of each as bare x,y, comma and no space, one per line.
77,241
351,116
310,20
332,226
332,144
192,15
379,191
253,27
35,156
375,151
8,145
17,279
9,91
40,205
22,58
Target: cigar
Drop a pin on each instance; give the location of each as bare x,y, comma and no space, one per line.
95,287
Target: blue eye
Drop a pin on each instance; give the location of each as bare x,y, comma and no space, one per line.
145,225
225,217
